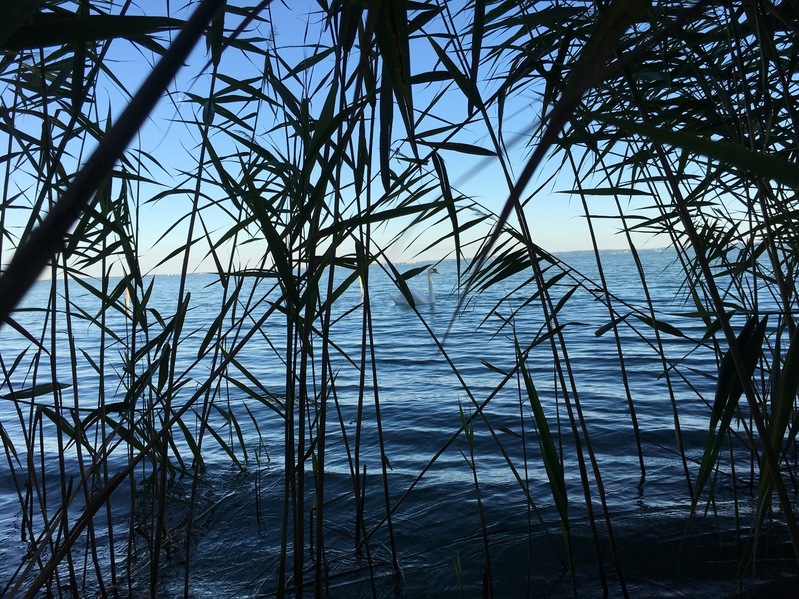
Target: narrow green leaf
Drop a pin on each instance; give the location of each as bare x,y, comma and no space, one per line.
471,93
427,13
449,200
728,392
661,326
163,366
36,391
55,29
786,393
350,20
66,426
430,77
549,452
318,56
216,324
7,442
191,442
562,301
606,327
216,35
412,272
231,419
478,28
510,432
384,141
391,34
460,148
608,191
401,278
784,398
223,445
22,331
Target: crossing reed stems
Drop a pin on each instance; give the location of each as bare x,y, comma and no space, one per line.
303,155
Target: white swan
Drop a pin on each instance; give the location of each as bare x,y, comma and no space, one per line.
420,299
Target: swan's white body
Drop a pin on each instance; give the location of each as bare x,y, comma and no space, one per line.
419,298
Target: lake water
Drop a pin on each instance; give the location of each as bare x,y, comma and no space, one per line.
422,392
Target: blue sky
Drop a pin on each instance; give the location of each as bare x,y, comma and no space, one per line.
556,219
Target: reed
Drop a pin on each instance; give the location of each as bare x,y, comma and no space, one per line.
293,154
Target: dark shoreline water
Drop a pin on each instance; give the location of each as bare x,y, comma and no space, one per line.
438,525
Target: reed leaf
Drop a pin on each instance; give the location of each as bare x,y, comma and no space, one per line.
728,392
53,29
549,453
42,389
785,393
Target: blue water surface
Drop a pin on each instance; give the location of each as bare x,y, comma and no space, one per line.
449,361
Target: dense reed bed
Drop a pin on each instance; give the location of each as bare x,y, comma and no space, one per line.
293,154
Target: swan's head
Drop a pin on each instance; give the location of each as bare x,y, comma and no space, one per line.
432,271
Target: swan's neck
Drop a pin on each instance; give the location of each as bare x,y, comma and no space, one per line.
430,288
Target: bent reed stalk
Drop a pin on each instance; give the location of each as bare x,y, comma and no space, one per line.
285,166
